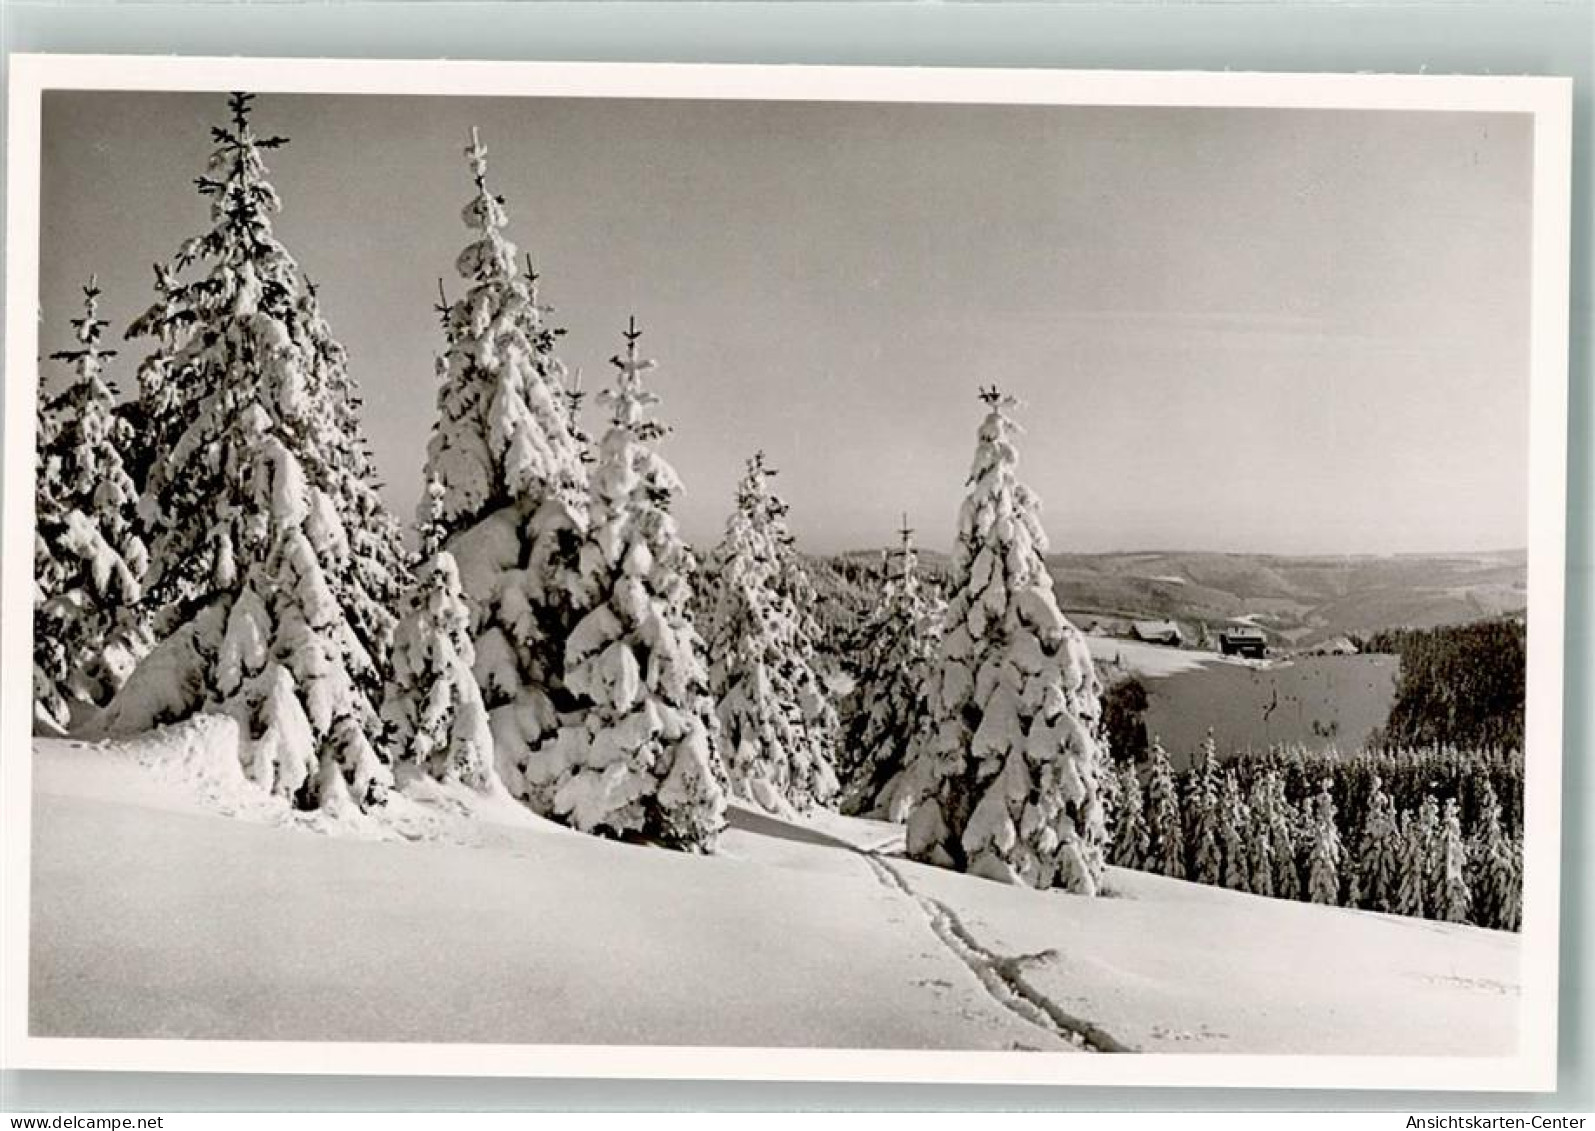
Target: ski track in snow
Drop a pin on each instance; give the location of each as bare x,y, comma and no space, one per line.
1001,975
814,931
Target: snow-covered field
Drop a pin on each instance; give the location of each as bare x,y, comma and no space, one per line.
168,901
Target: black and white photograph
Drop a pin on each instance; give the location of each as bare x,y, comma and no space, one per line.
1040,578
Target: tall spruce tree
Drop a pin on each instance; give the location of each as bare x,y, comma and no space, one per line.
1379,853
1007,775
1494,883
1325,854
510,499
1275,846
263,605
89,559
1132,838
1164,819
1234,824
888,703
642,761
1419,835
1203,816
1451,899
779,746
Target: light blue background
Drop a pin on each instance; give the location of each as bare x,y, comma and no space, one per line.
1501,37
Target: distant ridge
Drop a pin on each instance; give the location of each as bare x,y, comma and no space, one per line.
1298,600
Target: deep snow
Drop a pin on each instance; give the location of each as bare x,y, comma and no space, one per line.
155,913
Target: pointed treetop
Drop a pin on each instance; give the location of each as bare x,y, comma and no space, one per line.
996,399
628,400
630,365
87,328
476,153
906,534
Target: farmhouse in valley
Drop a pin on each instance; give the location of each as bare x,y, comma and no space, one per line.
1158,632
1243,640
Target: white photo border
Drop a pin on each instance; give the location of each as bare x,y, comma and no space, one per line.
1547,99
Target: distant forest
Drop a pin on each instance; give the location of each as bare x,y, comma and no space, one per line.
1460,686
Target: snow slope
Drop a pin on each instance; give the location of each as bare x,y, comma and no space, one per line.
156,915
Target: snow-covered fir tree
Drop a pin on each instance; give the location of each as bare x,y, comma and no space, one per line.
1324,857
88,559
1164,821
778,738
511,489
1132,838
1234,823
1497,901
433,720
1203,816
1422,876
1259,838
642,761
1007,775
888,704
1274,843
1451,898
265,609
1412,873
1379,853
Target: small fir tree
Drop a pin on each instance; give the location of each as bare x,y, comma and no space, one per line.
1234,823
89,559
432,714
1132,837
1164,822
1380,848
1203,815
889,696
1419,840
1452,899
1324,859
779,748
1495,882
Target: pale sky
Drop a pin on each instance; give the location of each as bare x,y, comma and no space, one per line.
1246,330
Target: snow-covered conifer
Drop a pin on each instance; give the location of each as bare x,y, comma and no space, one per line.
1274,820
1203,816
1007,773
1259,837
1324,857
89,559
1418,834
432,716
778,735
1164,821
1234,823
642,759
1132,839
1452,899
1379,853
511,492
888,699
1496,899
263,605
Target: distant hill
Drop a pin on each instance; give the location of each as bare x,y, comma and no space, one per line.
1297,601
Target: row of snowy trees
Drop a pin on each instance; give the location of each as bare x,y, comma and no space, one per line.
545,640
1239,826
